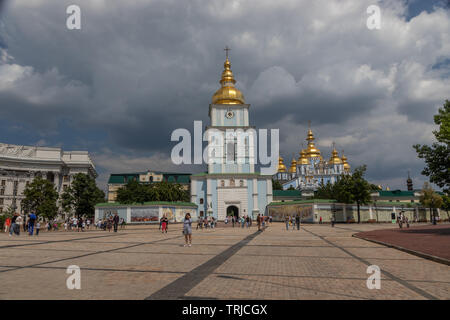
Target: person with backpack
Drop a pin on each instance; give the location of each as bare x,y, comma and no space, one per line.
31,221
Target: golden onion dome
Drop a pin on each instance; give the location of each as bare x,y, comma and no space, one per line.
344,161
293,168
228,94
303,159
311,150
335,158
281,166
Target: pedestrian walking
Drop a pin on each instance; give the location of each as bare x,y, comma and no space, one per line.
320,221
164,223
31,221
187,229
116,222
297,221
7,224
233,220
19,223
258,221
38,227
13,225
286,220
332,220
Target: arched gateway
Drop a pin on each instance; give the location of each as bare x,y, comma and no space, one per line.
233,211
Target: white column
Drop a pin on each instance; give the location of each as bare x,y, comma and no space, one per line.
128,214
245,116
370,213
208,195
255,196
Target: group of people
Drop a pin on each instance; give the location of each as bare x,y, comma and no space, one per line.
402,219
292,221
112,222
246,221
16,222
206,222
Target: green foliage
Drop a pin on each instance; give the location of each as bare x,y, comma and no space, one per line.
429,198
437,156
82,196
134,192
40,198
348,189
276,185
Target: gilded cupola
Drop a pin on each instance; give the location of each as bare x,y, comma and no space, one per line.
344,161
228,93
335,157
311,150
293,168
281,166
303,159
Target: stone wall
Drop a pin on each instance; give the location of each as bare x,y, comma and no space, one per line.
312,212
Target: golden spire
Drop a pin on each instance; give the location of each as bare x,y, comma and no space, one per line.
335,157
344,161
228,94
311,150
281,166
293,168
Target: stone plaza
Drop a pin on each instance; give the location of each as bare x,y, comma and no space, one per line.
317,262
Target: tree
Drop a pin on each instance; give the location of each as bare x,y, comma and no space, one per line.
276,185
430,199
348,189
82,196
134,192
40,198
437,156
446,204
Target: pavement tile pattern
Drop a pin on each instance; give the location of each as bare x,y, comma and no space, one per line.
316,262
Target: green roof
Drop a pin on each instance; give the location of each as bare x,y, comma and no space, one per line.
396,193
287,193
177,203
119,178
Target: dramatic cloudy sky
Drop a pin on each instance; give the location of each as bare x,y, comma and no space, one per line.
138,69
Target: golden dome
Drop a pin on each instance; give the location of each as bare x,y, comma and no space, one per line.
335,157
281,166
344,161
303,159
228,94
293,168
311,150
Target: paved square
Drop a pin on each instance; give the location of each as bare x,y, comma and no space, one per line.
317,262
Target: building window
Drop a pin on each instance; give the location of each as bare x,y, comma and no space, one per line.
232,182
1,209
1,200
2,192
222,183
65,187
66,178
241,183
201,213
3,182
201,200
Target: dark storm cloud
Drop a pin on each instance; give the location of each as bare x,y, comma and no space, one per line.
138,70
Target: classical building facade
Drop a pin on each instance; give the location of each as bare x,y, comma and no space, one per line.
230,186
20,164
310,169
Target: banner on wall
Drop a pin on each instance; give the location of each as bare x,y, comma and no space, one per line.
145,215
169,212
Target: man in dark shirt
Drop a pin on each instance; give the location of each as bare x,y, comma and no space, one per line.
116,222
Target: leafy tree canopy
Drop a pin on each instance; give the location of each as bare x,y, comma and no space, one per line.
40,198
135,192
